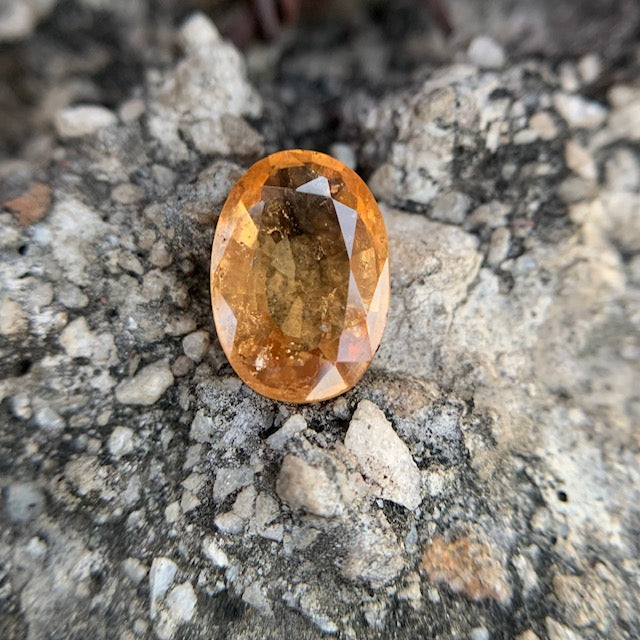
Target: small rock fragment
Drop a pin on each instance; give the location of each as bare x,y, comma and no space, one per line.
468,567
147,386
243,504
214,553
83,474
293,425
266,511
134,570
160,255
255,596
172,512
580,161
195,345
202,428
383,456
590,67
345,153
542,123
229,522
375,556
180,607
79,341
84,120
486,53
24,502
451,207
303,486
49,420
578,111
558,631
21,406
32,205
479,633
12,318
181,602
229,480
131,110
499,246
72,297
189,502
163,571
120,442
622,171
181,366
127,193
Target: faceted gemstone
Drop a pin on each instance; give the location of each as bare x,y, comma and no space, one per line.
300,277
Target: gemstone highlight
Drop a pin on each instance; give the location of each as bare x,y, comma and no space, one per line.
300,277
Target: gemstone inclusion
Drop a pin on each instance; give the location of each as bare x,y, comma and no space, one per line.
300,277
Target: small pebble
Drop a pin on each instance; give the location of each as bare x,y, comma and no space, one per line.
195,345
76,122
24,501
486,53
147,386
120,442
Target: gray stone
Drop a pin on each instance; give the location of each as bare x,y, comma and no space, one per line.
48,419
85,120
214,553
293,425
18,18
451,207
161,576
558,631
486,53
578,111
303,486
254,595
375,556
195,345
345,153
24,501
229,480
383,457
202,428
135,570
147,386
120,442
211,66
79,341
12,318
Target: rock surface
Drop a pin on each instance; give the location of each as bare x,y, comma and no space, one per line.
482,481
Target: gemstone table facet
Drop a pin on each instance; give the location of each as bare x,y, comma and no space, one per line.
300,277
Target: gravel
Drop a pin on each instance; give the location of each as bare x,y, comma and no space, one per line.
480,481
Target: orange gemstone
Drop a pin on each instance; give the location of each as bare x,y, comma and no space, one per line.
300,277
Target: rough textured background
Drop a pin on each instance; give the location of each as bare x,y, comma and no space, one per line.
148,493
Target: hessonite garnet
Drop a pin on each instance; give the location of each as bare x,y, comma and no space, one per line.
300,277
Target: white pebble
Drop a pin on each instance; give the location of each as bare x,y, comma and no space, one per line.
147,386
163,571
214,553
84,120
195,345
120,442
578,111
486,53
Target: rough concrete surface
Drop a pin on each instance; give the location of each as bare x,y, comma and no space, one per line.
147,493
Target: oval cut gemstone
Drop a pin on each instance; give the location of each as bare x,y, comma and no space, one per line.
300,277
